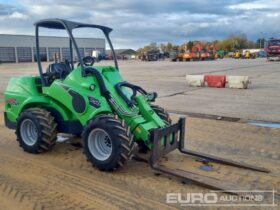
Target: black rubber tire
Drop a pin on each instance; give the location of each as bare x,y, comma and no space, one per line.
46,129
79,135
121,138
162,113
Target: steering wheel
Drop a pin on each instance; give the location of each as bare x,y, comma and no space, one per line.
88,60
130,100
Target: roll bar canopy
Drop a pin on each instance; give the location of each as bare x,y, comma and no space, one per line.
61,24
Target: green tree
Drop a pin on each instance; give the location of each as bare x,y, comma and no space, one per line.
235,42
175,47
169,46
139,51
190,45
153,46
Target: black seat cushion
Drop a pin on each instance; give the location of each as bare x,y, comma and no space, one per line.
57,71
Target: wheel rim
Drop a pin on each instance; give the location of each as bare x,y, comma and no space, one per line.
29,132
99,144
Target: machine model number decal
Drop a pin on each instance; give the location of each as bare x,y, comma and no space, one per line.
12,101
94,102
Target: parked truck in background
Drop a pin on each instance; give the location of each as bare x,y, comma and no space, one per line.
152,55
98,55
273,49
173,55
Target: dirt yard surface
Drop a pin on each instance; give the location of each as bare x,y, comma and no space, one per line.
63,179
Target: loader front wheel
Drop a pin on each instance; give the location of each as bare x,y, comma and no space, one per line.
162,113
36,130
108,142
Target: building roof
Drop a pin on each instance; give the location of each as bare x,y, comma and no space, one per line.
8,40
122,52
49,36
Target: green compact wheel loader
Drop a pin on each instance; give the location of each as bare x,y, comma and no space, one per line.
111,114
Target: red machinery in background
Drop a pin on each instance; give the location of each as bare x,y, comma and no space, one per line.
273,49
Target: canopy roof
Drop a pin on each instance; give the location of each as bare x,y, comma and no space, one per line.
62,24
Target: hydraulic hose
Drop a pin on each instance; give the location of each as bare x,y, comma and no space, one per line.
104,91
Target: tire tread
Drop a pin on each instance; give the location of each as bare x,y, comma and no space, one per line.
48,132
121,133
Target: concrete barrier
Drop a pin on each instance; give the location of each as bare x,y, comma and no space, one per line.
195,80
218,81
239,82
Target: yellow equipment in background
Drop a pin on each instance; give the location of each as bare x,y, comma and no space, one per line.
248,55
237,55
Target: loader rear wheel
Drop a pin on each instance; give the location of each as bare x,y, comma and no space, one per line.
108,142
36,130
162,113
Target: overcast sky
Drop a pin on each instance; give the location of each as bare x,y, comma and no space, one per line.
137,23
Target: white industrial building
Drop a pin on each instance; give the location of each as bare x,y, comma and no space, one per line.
21,48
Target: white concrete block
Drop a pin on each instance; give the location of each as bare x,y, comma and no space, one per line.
239,82
195,80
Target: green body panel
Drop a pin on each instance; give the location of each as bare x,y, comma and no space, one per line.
28,92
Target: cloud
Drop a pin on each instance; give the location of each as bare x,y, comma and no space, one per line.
9,13
17,15
136,23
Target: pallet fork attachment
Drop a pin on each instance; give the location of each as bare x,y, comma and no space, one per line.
162,146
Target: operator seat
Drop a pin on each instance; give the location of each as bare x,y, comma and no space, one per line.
57,71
